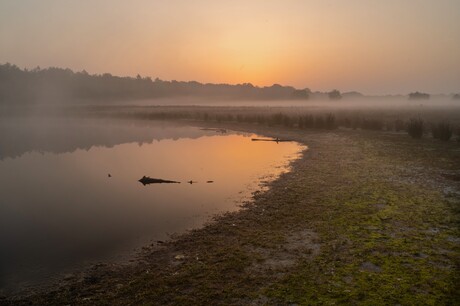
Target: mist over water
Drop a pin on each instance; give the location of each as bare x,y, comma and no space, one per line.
71,196
365,103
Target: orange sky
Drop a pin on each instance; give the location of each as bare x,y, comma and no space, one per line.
374,47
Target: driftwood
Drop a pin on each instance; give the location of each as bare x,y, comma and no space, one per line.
215,130
271,139
145,180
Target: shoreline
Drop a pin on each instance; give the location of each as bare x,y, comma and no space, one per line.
126,259
262,253
129,256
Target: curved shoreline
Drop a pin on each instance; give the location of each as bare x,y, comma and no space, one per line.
332,229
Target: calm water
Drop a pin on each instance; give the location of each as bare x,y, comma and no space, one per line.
59,209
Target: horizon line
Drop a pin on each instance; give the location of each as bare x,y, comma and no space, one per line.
230,84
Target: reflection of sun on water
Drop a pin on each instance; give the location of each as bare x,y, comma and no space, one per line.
70,197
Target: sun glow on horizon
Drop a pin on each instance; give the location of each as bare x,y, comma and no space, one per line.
389,47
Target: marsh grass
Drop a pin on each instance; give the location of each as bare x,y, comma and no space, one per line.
442,131
304,119
415,128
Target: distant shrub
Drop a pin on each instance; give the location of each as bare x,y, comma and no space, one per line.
456,97
415,128
335,95
418,96
442,131
300,94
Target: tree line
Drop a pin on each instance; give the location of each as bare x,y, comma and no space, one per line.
55,84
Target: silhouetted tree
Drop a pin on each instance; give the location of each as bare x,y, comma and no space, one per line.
352,94
335,95
29,86
418,96
300,94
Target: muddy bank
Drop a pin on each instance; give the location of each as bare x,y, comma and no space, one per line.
361,218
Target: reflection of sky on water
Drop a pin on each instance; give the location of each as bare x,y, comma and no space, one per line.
60,210
25,134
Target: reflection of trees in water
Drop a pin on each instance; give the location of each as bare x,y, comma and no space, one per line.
19,136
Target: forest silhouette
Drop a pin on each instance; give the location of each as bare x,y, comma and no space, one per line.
22,86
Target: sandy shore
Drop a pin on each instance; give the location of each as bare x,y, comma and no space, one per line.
362,217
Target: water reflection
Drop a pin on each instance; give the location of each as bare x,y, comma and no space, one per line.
19,135
62,210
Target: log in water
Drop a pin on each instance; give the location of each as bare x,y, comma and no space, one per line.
271,139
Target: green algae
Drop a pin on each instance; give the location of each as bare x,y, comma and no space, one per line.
386,223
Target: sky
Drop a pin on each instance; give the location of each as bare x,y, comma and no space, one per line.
371,46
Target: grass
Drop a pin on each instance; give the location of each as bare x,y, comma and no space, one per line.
415,128
373,119
442,131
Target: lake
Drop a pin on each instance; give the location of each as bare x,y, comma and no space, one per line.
70,195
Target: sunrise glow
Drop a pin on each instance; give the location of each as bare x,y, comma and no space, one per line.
383,47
